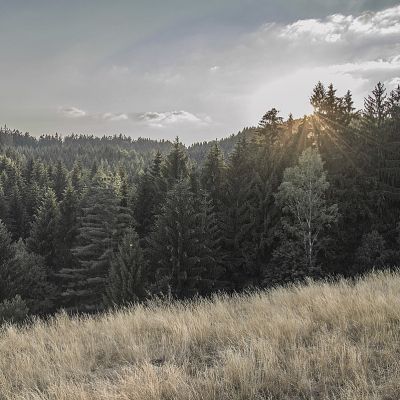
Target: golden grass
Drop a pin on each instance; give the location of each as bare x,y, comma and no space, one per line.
319,341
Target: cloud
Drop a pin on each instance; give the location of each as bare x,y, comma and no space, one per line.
114,117
161,119
73,112
224,87
338,27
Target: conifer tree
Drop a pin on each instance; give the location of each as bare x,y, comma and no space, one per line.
68,227
124,218
348,107
6,251
126,277
376,108
176,166
60,180
213,176
77,180
318,97
43,238
270,126
149,197
17,220
85,286
25,274
176,252
237,219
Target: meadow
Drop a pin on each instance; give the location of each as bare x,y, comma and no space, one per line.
319,340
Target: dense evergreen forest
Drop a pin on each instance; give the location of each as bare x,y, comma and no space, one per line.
88,223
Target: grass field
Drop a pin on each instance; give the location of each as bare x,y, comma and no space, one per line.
318,341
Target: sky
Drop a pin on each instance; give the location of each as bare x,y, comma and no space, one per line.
195,69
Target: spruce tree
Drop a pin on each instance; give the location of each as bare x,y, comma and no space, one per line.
213,175
317,99
270,126
176,166
237,219
126,277
43,237
375,108
25,274
68,227
6,250
150,194
176,251
84,287
60,180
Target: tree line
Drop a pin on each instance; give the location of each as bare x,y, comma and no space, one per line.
88,223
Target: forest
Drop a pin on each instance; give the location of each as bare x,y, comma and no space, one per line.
88,223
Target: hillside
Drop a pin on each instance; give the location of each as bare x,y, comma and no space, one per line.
320,341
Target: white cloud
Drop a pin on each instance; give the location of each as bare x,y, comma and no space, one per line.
275,65
73,112
114,117
337,27
161,119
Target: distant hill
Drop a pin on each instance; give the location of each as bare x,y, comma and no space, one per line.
75,146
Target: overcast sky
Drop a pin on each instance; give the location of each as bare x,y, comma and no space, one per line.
197,69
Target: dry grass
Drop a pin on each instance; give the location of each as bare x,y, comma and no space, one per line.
321,341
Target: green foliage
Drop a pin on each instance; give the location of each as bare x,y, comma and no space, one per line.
307,214
203,224
149,197
25,275
13,311
95,245
43,238
372,252
126,277
178,256
6,251
176,166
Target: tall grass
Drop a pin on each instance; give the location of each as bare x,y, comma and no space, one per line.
318,341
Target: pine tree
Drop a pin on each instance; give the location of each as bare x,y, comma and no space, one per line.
77,180
176,165
25,274
270,126
213,176
60,180
376,108
6,251
124,218
177,254
348,108
332,105
68,227
17,220
84,287
318,97
372,252
237,220
149,197
211,237
43,238
126,277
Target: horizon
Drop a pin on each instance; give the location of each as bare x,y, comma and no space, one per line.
198,71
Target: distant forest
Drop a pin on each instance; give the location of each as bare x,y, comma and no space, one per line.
87,223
